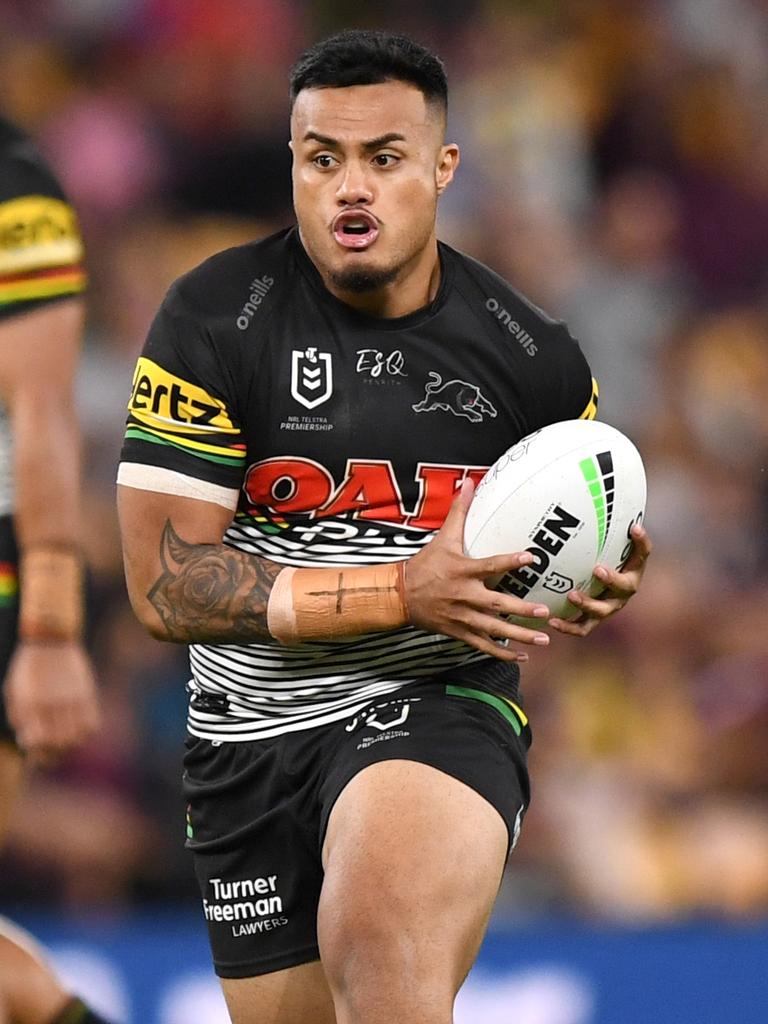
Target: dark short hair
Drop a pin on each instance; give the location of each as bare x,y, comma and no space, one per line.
364,57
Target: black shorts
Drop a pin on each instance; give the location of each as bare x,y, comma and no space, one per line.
257,811
9,611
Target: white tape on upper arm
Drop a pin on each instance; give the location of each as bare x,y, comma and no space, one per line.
168,481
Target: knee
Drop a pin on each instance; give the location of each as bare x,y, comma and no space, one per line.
381,965
359,938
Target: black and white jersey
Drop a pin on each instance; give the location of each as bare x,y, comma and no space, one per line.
337,439
41,252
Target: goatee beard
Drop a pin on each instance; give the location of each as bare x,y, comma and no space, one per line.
360,280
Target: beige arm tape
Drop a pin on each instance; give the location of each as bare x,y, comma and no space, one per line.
51,594
329,604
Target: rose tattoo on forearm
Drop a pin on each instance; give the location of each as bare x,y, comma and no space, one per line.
211,593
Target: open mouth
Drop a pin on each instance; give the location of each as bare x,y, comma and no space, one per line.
355,229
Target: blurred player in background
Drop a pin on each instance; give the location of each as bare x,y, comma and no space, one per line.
307,421
50,701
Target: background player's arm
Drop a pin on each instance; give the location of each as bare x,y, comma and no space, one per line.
39,351
187,586
50,691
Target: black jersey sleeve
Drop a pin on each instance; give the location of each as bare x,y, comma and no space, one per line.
564,388
181,411
41,250
553,380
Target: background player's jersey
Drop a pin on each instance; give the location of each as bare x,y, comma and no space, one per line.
40,251
339,439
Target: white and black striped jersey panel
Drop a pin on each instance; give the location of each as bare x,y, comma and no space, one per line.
266,689
253,691
332,541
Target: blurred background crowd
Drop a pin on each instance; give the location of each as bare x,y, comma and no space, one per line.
615,170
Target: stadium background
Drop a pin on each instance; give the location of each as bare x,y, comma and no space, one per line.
615,168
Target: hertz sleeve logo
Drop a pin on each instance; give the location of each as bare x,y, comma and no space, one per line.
166,410
38,231
161,400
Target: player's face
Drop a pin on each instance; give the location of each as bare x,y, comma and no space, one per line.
368,165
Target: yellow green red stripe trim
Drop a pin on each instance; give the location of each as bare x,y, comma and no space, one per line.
518,711
9,583
227,456
42,284
507,708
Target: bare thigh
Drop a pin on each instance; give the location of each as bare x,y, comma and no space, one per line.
298,995
413,860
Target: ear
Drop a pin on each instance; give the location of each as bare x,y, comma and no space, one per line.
447,162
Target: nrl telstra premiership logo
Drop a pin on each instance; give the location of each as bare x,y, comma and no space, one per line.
311,377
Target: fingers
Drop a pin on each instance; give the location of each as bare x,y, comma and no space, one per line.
574,627
619,587
47,734
498,649
453,526
621,582
452,531
497,566
51,699
642,545
500,629
615,584
498,604
451,594
626,580
497,637
594,609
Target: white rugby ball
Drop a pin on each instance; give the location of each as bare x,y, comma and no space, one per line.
567,493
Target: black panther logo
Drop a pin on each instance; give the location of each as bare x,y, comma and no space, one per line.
456,396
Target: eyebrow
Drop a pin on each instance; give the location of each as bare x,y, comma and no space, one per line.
370,144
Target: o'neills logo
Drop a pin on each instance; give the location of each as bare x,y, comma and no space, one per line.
259,288
253,901
514,328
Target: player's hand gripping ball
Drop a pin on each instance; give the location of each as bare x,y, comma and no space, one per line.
569,494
